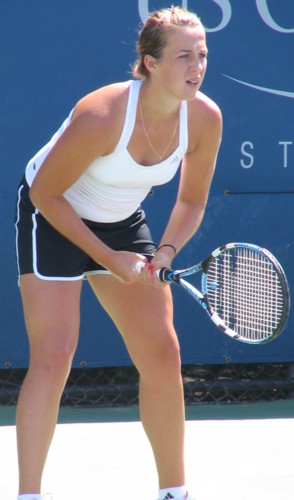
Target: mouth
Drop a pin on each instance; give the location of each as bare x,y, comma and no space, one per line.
192,83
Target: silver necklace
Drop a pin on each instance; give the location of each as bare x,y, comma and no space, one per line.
148,139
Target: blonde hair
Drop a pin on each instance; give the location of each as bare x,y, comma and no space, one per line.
153,36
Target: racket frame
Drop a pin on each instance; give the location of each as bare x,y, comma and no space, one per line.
177,276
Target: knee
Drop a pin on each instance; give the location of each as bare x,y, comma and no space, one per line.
163,363
52,356
169,357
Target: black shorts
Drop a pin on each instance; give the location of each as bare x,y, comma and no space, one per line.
42,250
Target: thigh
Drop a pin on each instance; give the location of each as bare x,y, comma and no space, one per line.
51,311
143,315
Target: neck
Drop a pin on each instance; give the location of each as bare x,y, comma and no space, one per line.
154,121
158,105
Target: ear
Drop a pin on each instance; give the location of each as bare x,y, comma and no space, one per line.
150,63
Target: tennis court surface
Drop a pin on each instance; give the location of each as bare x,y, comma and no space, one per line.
234,452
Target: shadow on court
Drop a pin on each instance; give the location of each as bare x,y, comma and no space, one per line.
234,452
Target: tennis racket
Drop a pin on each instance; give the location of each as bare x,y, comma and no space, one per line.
244,290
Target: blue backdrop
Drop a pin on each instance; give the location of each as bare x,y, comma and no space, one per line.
55,51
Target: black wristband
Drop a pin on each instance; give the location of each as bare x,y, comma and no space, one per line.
167,245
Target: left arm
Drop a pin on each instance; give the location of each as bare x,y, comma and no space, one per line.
198,166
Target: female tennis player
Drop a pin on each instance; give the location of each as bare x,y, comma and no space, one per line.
80,217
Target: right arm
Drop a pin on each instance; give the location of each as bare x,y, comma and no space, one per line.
92,132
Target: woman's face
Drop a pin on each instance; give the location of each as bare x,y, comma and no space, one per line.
182,65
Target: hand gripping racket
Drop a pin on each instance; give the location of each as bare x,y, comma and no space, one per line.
244,290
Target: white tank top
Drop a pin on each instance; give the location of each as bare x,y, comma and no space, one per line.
114,186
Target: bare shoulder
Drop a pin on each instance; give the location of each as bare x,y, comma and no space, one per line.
204,121
205,109
101,102
102,112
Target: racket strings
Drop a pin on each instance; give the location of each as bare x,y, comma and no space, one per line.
244,289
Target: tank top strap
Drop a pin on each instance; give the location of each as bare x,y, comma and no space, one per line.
130,117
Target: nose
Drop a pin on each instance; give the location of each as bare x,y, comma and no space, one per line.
198,64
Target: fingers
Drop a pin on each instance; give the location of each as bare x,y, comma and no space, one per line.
148,274
141,265
135,268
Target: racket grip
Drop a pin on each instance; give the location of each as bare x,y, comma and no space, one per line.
163,274
139,266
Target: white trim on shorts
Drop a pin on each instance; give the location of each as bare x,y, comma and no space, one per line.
16,232
98,271
35,257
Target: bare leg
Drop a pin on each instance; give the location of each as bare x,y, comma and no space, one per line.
143,315
51,310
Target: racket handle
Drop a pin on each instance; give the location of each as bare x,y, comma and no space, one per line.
139,266
162,274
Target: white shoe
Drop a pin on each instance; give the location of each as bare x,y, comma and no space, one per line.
186,497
